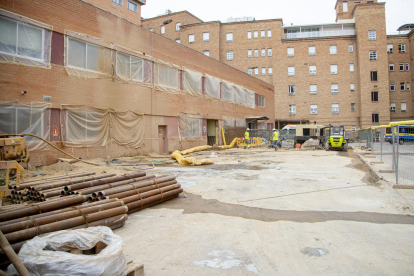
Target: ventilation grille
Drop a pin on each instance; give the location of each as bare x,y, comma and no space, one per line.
47,99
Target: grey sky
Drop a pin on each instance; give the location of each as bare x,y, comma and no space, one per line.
298,12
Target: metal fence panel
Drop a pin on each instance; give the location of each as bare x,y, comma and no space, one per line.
404,158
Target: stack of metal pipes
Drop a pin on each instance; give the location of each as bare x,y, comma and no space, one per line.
103,200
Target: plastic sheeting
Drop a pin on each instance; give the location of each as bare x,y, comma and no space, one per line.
228,121
84,126
189,127
48,254
167,77
250,99
227,91
19,118
192,82
240,95
131,69
240,122
212,87
24,41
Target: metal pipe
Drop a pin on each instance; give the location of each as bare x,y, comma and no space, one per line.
11,255
54,178
156,198
140,196
141,190
151,204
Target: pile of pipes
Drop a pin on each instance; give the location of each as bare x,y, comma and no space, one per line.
80,201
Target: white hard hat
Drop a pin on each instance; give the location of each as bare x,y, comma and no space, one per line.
248,128
274,129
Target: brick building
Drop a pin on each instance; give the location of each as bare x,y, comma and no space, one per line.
88,77
349,72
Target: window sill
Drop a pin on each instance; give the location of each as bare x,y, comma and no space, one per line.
334,73
314,93
206,40
335,113
403,110
291,75
374,101
312,74
292,94
229,40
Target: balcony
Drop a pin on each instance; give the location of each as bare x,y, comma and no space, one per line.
319,34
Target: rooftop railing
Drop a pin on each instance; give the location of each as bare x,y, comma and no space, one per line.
319,34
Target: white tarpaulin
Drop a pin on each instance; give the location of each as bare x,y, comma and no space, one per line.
167,77
240,122
250,99
19,118
189,126
227,91
212,87
240,95
131,69
192,82
84,126
228,121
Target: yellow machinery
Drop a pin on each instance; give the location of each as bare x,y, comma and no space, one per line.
12,153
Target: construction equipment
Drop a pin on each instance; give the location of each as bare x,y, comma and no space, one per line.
334,138
13,152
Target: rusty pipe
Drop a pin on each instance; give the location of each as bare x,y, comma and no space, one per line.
141,190
151,204
161,191
54,178
156,198
8,250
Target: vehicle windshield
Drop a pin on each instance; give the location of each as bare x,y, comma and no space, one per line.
388,130
337,131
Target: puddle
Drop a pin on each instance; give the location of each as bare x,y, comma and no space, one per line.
318,252
195,204
240,166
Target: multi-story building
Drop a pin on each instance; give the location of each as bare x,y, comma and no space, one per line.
86,76
349,72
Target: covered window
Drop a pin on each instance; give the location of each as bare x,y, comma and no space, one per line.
270,71
262,34
403,107
335,108
353,107
84,55
391,66
269,33
131,68
314,109
290,51
351,48
374,96
206,36
177,26
291,89
192,82
312,50
229,37
249,53
261,100
334,88
191,38
401,47
263,52
291,70
332,49
312,69
352,86
206,53
313,89
249,35
334,69
256,34
390,48
269,52
167,78
132,6
292,109
372,35
375,117
372,55
229,55
374,75
351,67
393,107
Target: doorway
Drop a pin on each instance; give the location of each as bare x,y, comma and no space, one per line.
212,132
163,139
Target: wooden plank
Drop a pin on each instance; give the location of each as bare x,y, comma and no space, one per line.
403,186
135,269
386,171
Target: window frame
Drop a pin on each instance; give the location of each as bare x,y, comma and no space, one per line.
372,35
250,71
86,53
117,2
292,89
249,34
313,92
336,72
178,41
292,50
256,71
312,72
315,108
331,47
374,75
351,48
177,26
261,101
335,106
130,64
392,86
393,108
133,4
270,71
391,65
373,118
189,38
269,33
407,66
206,51
351,67
345,6
314,52
390,50
292,109
249,53
256,53
401,48
208,36
402,86
255,34
333,89
229,35
290,72
352,86
407,86
374,96
401,65
353,107
262,34
263,52
269,52
373,55
264,71
162,31
228,54
405,109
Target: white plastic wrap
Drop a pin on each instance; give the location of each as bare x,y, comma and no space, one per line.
250,99
212,87
167,77
228,121
227,91
192,82
58,261
19,118
240,122
240,95
189,126
132,69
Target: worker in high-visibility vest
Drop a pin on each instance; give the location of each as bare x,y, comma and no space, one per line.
247,138
275,138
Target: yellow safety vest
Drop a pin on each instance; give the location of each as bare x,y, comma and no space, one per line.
247,135
275,136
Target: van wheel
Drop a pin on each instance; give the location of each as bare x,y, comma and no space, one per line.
346,147
401,141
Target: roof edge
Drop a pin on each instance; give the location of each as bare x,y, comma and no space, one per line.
174,13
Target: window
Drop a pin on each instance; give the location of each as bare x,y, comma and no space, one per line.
314,109
408,86
313,89
290,52
229,37
334,88
132,6
345,6
250,71
402,66
351,67
374,96
403,107
178,40
191,38
269,33
269,52
206,53
128,67
353,107
393,107
206,36
292,109
83,55
22,40
262,34
390,48
162,29
402,86
334,69
391,66
291,89
332,49
312,69
270,71
312,50
229,55
392,86
119,2
335,108
263,52
256,52
375,117
291,70
249,53
261,100
374,75
256,34
353,127
372,35
401,48
249,35
263,71
407,66
352,86
372,55
256,71
177,26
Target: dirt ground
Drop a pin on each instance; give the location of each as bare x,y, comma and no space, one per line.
261,212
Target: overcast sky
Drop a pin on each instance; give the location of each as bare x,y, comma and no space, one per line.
298,12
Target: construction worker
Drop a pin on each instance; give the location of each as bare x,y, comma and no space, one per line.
275,138
247,138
